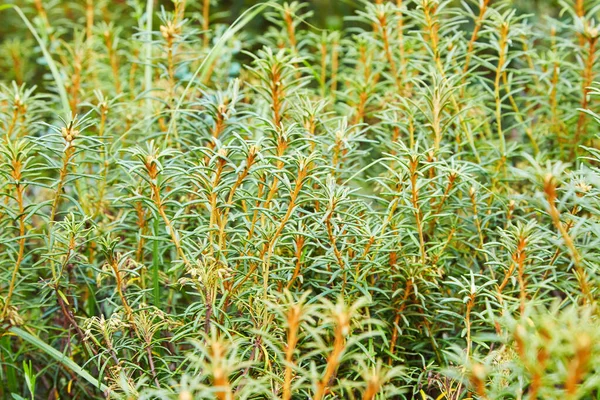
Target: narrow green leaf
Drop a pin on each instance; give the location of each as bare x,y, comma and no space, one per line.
155,262
58,356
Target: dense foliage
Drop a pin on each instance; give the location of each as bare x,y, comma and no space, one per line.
197,206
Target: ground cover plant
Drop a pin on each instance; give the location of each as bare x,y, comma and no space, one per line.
216,200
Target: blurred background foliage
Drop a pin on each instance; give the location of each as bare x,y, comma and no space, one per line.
15,39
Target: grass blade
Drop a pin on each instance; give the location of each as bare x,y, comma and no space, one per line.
64,99
58,356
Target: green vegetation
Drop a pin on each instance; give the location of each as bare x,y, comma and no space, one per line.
197,203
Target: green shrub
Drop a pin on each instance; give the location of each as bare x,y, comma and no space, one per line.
197,204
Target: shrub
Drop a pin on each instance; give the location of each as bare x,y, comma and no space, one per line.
197,207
